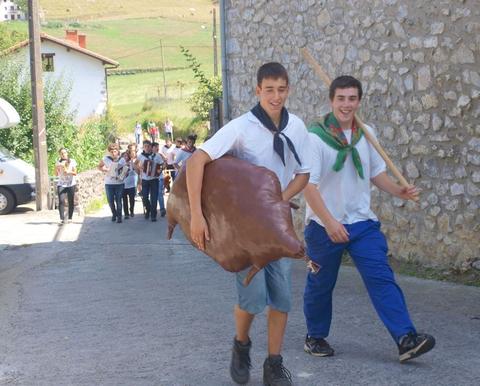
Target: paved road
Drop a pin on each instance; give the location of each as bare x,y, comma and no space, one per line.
96,303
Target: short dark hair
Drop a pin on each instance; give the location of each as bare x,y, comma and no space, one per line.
345,81
192,137
147,142
271,70
155,144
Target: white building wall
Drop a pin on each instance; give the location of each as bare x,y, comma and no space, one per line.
10,11
86,76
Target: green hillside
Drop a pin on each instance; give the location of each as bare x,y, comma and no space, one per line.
136,42
124,9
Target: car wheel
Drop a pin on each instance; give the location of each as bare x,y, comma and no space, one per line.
7,201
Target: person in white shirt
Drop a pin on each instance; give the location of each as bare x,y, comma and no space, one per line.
171,155
113,167
149,166
186,152
130,182
138,133
168,128
268,136
160,179
339,219
66,170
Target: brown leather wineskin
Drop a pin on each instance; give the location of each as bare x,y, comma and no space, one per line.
249,222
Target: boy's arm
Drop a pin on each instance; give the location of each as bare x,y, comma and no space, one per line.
295,186
385,183
101,166
335,230
198,225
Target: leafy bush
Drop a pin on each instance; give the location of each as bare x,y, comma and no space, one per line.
53,24
91,141
201,102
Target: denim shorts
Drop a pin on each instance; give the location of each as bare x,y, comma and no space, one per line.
272,286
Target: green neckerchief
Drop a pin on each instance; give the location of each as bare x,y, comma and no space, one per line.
329,130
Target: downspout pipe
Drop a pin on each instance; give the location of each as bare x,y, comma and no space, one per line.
223,29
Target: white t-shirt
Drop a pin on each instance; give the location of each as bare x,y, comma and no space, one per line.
114,174
165,151
130,179
172,154
246,138
138,129
66,180
150,165
345,194
168,126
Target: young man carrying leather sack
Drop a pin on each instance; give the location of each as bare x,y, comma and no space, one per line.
268,136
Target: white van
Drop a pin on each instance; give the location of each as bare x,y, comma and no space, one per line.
17,178
17,182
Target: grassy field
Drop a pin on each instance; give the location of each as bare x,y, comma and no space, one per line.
136,42
124,9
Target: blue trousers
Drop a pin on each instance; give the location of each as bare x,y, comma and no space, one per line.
150,196
114,194
368,248
161,200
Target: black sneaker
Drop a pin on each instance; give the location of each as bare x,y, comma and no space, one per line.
119,220
274,373
163,212
317,347
240,363
413,345
132,214
114,218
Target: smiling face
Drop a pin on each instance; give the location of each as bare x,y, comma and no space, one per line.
345,104
272,95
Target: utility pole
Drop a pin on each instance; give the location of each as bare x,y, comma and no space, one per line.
214,35
163,70
215,113
38,108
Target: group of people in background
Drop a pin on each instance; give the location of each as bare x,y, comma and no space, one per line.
151,131
148,171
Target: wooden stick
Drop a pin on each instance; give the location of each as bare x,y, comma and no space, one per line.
323,75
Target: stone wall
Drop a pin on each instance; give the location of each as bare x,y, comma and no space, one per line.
419,62
90,187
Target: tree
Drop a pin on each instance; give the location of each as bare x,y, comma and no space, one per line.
201,102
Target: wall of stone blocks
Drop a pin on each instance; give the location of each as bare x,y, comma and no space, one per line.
91,187
419,62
